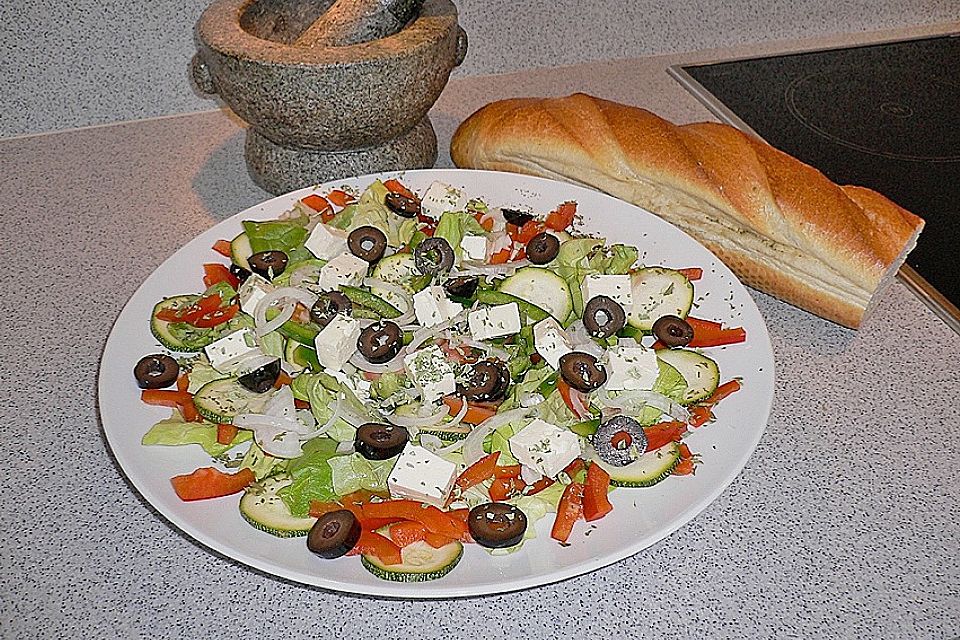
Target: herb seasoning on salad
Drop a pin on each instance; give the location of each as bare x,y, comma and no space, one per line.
393,375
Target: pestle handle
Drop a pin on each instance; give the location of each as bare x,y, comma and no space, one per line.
349,22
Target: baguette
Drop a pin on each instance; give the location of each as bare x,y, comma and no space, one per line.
779,224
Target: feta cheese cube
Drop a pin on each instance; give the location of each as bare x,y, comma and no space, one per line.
431,372
551,341
224,354
254,289
433,307
344,270
337,341
326,242
615,287
441,197
631,368
474,247
544,447
422,475
494,322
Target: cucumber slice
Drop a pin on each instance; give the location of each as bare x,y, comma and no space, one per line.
701,374
240,251
657,292
646,471
450,434
179,336
399,269
421,562
219,401
263,508
541,287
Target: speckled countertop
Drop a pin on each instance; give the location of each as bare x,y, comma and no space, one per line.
844,524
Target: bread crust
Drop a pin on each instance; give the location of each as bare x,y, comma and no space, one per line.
782,226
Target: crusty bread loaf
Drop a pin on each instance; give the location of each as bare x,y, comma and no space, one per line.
779,224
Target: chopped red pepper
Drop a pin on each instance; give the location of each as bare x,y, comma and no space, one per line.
407,532
214,273
568,512
700,415
208,482
525,234
707,333
509,471
226,433
432,518
596,502
340,198
562,216
216,317
664,432
505,488
223,247
723,391
317,203
692,273
482,469
381,547
501,257
475,414
686,466
395,186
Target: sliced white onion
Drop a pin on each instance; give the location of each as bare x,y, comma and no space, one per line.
258,421
427,333
337,408
281,403
394,289
633,400
253,363
431,442
233,365
277,442
420,421
473,444
288,297
581,340
345,448
457,419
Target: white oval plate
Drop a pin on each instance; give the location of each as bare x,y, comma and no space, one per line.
640,517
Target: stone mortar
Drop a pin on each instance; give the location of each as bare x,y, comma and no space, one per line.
325,112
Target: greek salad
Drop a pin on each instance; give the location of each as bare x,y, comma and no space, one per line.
392,375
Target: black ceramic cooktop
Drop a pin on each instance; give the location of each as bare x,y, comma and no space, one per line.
883,116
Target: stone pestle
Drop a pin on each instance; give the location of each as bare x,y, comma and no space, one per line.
349,22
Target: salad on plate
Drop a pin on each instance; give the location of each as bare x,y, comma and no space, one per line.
393,375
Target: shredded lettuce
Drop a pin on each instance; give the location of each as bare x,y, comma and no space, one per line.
201,372
312,477
277,235
580,257
261,463
453,225
320,390
371,210
354,472
176,431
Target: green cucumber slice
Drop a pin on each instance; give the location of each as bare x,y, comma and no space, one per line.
240,251
701,374
450,434
646,471
179,336
263,508
657,292
540,287
421,562
220,400
399,269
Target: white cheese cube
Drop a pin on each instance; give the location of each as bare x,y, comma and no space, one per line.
433,307
631,368
344,270
254,289
337,341
615,287
544,447
431,372
326,242
474,247
422,475
551,341
494,322
224,354
441,197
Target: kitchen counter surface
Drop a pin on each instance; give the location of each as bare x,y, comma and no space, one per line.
844,524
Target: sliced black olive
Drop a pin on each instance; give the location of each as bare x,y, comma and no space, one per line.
462,286
514,216
497,525
402,205
156,371
328,305
262,379
241,273
603,316
582,371
367,243
334,534
489,380
620,440
268,264
380,342
543,248
673,331
433,256
376,441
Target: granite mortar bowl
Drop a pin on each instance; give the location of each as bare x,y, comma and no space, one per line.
324,98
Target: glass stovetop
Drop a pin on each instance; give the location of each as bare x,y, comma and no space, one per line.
884,116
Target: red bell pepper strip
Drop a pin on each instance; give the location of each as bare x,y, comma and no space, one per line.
482,469
664,432
509,471
436,540
317,203
208,482
485,221
223,247
340,198
568,512
568,393
199,308
596,503
432,518
407,532
226,433
214,272
723,391
395,186
216,317
501,257
700,415
692,273
707,333
525,234
562,216
686,466
381,547
475,413
505,488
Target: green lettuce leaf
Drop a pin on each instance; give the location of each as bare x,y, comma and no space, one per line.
176,431
371,210
277,235
201,373
312,477
354,472
261,463
453,225
580,257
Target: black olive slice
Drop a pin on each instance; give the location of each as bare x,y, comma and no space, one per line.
489,380
156,371
403,206
334,534
380,342
262,379
367,243
603,316
515,216
543,248
268,264
582,371
497,525
433,256
462,286
241,273
377,441
673,331
328,305
619,440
